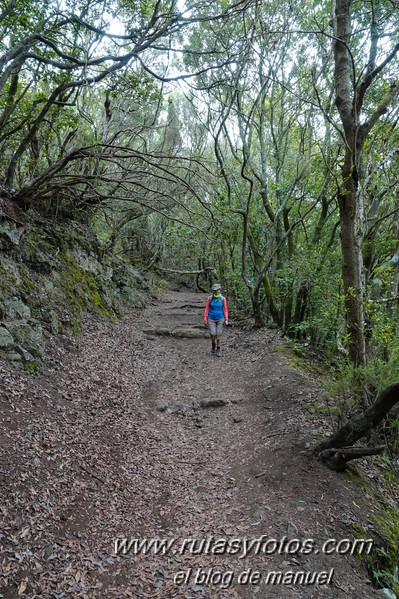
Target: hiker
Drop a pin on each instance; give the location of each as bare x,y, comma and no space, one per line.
216,313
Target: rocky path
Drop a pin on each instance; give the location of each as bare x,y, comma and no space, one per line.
131,436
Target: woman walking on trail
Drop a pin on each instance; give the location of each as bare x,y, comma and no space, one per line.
215,315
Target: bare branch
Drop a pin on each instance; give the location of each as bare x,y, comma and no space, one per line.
188,272
370,76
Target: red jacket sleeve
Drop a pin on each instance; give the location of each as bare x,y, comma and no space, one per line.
207,307
225,309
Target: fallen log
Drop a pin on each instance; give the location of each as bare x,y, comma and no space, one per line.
187,272
330,450
336,459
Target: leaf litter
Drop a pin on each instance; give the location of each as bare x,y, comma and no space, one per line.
88,457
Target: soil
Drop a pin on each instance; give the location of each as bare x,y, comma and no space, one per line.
120,437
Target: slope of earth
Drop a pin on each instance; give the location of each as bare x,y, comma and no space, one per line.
120,442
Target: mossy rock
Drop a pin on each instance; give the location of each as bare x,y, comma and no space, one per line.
10,234
50,277
29,336
16,309
6,340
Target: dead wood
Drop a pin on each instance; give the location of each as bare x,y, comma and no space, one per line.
336,459
354,429
186,272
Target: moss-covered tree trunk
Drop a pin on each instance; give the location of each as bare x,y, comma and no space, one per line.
350,94
351,241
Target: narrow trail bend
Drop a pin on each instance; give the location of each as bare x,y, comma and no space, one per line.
112,441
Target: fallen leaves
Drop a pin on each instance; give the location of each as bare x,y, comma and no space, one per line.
22,587
88,458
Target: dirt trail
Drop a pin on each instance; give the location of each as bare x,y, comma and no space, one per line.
112,441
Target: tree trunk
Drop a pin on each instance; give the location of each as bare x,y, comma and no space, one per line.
357,427
352,266
351,239
336,459
350,93
301,305
273,308
257,310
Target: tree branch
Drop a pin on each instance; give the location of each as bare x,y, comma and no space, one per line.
370,76
360,424
188,272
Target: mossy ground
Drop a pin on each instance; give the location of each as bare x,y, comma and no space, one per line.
304,358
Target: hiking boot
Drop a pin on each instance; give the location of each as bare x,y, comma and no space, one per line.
213,350
218,352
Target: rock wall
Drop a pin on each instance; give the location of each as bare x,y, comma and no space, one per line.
50,276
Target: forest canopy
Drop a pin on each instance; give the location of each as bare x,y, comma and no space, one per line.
257,140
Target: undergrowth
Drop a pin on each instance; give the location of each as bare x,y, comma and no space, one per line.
351,390
356,389
385,568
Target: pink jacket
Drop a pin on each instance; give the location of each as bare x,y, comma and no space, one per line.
208,305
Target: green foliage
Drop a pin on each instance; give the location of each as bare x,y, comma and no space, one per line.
349,382
313,286
150,181
385,569
237,293
33,366
137,87
384,334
